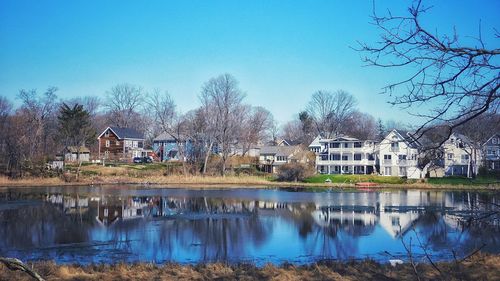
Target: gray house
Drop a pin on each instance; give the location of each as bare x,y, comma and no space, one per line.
491,153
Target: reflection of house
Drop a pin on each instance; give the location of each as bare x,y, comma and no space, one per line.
398,155
461,157
69,204
71,154
121,144
491,153
272,157
108,212
344,155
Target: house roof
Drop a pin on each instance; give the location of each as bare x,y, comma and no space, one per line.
494,135
337,138
407,137
74,149
315,142
278,150
164,137
124,133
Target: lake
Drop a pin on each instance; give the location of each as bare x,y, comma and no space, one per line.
137,223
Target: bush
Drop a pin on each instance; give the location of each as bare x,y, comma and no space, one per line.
294,172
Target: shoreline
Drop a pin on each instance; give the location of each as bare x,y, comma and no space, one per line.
229,182
476,267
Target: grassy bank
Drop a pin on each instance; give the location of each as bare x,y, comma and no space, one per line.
162,174
357,178
479,267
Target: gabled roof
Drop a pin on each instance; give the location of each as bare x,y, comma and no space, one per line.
494,135
406,137
74,149
124,133
164,137
278,150
315,142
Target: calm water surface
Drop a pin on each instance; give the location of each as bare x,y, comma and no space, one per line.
111,224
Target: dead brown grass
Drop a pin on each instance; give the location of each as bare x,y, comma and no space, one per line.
479,267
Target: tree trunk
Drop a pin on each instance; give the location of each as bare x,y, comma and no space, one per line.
207,155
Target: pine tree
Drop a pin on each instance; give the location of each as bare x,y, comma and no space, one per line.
75,128
381,130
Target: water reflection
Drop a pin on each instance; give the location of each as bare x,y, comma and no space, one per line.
111,224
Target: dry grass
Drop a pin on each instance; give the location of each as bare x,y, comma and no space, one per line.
480,267
4,181
153,174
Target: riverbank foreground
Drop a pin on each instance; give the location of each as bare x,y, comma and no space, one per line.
159,173
477,267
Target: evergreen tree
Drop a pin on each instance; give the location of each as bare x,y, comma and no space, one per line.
75,128
381,130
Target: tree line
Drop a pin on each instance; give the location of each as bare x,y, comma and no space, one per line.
43,124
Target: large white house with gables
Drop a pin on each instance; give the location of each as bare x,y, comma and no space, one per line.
398,155
395,155
461,156
344,155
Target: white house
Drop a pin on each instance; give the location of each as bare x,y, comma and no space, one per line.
398,155
461,157
344,155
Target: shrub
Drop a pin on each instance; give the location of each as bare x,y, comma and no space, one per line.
294,172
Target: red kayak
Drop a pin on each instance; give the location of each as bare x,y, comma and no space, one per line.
366,184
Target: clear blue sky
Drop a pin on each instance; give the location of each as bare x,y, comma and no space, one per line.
280,51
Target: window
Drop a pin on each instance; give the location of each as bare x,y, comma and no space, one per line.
134,144
465,157
402,157
335,157
402,171
106,134
107,143
450,156
395,145
117,143
357,144
387,157
334,145
371,157
395,221
494,140
346,144
345,157
387,171
324,157
357,157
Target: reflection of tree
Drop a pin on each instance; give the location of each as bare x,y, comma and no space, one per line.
212,228
40,226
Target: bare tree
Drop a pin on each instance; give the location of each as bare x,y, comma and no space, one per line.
5,112
171,122
362,126
461,82
123,104
329,111
224,96
39,113
208,126
256,127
